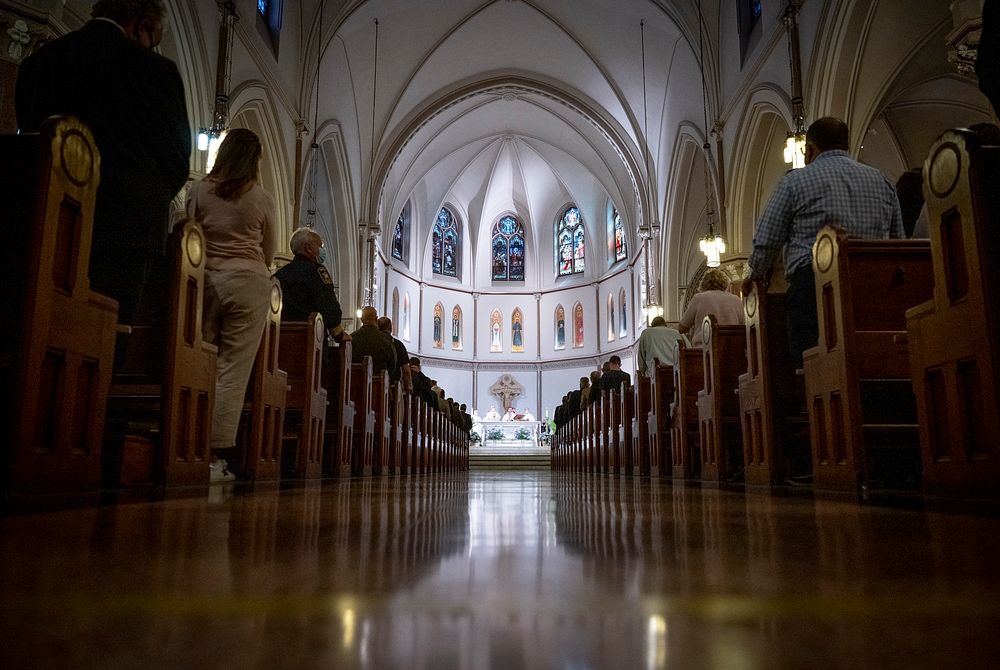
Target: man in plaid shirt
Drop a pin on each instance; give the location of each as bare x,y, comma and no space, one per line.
835,189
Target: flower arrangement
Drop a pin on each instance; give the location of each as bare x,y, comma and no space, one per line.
494,434
522,434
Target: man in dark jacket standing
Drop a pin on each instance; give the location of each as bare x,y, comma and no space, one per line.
368,340
107,75
306,285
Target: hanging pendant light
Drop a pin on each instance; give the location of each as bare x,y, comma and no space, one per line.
712,245
795,141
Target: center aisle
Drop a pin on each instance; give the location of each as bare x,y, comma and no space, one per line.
498,570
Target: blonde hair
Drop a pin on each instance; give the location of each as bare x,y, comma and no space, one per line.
715,280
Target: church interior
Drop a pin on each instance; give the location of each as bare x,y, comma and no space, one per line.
522,186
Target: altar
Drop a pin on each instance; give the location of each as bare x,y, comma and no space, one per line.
510,431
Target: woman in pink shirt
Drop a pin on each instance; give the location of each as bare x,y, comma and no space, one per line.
237,216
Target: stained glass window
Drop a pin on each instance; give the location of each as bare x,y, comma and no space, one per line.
263,6
401,235
570,243
508,250
618,232
445,244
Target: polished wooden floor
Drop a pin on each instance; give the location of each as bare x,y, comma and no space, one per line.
498,570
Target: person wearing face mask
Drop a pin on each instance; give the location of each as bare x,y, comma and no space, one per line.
306,284
108,75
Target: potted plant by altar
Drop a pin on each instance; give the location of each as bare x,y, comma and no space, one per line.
522,434
495,434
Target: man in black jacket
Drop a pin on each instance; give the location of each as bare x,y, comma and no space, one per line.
306,285
401,372
107,75
615,377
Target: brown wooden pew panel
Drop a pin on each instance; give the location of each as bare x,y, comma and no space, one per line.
862,416
301,356
57,359
718,403
689,378
954,338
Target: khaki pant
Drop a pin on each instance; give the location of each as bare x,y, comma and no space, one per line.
235,312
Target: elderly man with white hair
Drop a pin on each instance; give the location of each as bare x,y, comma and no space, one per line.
306,284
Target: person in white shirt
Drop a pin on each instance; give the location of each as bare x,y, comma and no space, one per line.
714,298
657,343
492,415
509,416
526,415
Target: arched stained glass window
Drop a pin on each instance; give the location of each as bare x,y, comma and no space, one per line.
560,328
508,249
456,327
577,325
517,332
623,321
438,326
571,243
401,235
496,331
445,244
618,236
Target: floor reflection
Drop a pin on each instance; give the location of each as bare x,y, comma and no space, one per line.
498,570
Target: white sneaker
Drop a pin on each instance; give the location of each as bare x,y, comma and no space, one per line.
219,472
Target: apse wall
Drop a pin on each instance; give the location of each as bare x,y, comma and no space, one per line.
467,361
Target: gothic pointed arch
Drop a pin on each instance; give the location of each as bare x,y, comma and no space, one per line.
617,236
571,247
456,328
438,326
395,311
401,235
517,331
611,317
406,316
560,328
507,249
623,320
446,244
577,325
496,331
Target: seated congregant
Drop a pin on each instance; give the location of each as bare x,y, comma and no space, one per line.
656,343
713,298
615,377
306,285
368,340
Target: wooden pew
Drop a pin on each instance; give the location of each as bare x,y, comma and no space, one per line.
56,358
661,393
718,403
340,410
862,414
954,338
688,380
641,453
399,401
161,402
612,422
301,356
266,396
773,416
626,456
383,423
363,441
